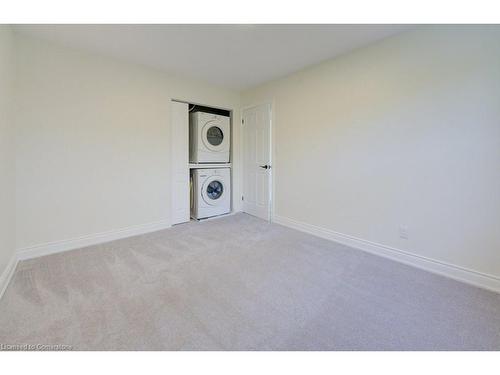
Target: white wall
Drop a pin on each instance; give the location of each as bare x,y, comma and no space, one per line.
93,147
7,156
406,131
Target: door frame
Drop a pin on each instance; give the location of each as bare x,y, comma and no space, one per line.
272,156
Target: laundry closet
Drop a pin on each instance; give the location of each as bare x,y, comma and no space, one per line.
201,161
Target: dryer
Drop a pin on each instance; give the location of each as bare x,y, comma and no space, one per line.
210,138
210,192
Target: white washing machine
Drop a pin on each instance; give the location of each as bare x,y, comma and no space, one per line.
209,138
210,192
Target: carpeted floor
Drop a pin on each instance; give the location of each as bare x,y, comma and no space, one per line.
239,283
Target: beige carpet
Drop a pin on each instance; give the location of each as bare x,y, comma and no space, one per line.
239,283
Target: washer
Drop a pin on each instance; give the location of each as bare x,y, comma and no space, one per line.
210,192
210,137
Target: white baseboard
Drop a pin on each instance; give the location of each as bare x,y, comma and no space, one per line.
442,268
91,239
7,273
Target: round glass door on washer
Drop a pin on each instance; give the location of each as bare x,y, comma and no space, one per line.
210,138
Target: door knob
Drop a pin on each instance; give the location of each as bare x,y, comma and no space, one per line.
265,166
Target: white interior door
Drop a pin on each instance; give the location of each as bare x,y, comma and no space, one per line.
257,170
180,160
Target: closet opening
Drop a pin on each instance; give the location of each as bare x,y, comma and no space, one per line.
202,154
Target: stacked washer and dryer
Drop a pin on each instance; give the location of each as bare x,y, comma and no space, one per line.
209,151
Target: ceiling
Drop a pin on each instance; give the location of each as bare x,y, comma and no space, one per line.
232,56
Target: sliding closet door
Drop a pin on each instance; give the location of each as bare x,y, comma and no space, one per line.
180,160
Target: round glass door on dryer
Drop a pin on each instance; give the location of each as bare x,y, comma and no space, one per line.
210,138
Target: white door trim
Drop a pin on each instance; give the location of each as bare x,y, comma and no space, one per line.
271,152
